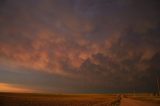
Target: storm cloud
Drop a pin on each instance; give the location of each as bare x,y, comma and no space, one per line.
91,46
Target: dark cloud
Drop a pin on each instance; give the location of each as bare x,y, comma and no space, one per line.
97,45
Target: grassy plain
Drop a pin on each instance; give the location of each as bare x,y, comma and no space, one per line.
33,99
17,99
153,99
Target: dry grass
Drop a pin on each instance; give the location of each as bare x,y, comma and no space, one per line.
153,99
146,97
13,99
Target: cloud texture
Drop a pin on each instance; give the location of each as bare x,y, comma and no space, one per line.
103,45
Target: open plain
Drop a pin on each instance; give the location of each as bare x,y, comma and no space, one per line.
16,99
34,99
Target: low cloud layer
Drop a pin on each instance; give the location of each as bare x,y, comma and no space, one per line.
97,45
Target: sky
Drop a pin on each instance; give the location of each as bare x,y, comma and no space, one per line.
79,46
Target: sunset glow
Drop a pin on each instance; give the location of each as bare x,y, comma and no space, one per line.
5,87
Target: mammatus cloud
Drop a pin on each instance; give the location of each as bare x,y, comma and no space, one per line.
101,43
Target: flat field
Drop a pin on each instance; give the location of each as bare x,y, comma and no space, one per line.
152,99
17,99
